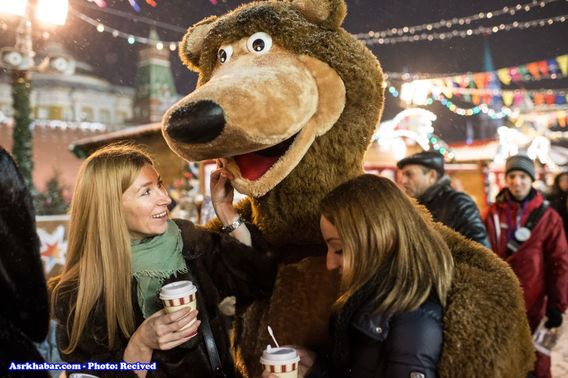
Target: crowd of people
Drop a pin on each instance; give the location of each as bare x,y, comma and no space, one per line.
396,270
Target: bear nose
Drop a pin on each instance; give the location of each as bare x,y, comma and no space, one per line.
196,122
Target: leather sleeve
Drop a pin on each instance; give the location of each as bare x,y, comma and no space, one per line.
467,220
236,269
413,345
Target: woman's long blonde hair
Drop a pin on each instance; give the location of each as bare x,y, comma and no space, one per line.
97,269
386,238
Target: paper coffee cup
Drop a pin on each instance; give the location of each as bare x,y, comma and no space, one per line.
178,295
283,361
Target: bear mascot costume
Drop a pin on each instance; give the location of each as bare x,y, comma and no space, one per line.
291,100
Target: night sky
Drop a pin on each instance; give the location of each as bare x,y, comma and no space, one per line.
115,59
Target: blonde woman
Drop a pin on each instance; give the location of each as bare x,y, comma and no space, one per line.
122,248
395,276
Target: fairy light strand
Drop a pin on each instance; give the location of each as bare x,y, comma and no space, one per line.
131,38
449,23
485,30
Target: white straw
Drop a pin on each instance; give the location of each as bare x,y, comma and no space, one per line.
273,338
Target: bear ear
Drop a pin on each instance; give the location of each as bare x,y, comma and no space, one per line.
329,13
190,45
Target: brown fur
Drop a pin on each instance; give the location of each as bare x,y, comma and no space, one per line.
486,333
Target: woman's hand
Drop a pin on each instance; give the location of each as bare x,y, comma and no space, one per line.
163,331
222,192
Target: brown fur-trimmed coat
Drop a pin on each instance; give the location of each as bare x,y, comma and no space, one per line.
293,114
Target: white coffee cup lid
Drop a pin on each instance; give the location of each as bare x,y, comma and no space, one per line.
280,355
177,289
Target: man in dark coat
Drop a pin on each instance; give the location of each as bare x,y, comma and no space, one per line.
423,178
534,247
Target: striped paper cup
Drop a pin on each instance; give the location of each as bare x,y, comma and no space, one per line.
178,295
283,361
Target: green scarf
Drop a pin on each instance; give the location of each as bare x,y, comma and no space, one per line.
153,260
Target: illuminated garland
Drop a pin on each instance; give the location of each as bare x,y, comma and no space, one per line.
455,21
485,30
483,108
390,36
131,38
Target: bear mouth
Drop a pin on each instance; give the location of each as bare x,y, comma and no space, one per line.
254,165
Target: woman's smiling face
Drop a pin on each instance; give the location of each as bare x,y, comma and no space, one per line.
145,205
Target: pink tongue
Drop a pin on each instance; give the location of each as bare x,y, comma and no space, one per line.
253,165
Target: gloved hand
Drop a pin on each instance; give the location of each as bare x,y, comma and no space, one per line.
554,318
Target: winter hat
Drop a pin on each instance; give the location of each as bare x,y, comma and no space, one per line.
429,159
520,163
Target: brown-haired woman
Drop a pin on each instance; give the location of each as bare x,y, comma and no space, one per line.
396,272
122,247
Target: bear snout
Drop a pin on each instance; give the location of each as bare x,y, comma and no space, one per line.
196,122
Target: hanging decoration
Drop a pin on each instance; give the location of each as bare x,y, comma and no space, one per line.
481,30
131,38
481,88
448,24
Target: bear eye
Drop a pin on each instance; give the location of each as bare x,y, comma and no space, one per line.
224,54
259,43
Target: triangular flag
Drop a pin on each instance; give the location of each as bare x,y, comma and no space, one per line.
507,97
533,69
504,76
538,99
481,80
475,99
549,98
514,72
563,64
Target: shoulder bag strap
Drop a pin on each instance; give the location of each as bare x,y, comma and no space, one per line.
207,333
513,245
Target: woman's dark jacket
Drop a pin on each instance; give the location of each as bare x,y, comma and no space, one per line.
221,266
456,210
24,313
367,344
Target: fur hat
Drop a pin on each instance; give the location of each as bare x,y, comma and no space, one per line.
520,163
427,159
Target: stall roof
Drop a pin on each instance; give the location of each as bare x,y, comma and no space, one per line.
83,147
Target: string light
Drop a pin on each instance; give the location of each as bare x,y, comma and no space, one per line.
131,38
483,108
485,30
454,21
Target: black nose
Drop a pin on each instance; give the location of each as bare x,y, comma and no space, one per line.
196,122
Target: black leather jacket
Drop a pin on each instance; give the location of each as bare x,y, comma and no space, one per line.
406,345
455,209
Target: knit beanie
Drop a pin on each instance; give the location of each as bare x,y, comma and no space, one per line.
520,163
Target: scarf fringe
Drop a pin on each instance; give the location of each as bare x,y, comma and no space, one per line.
160,274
